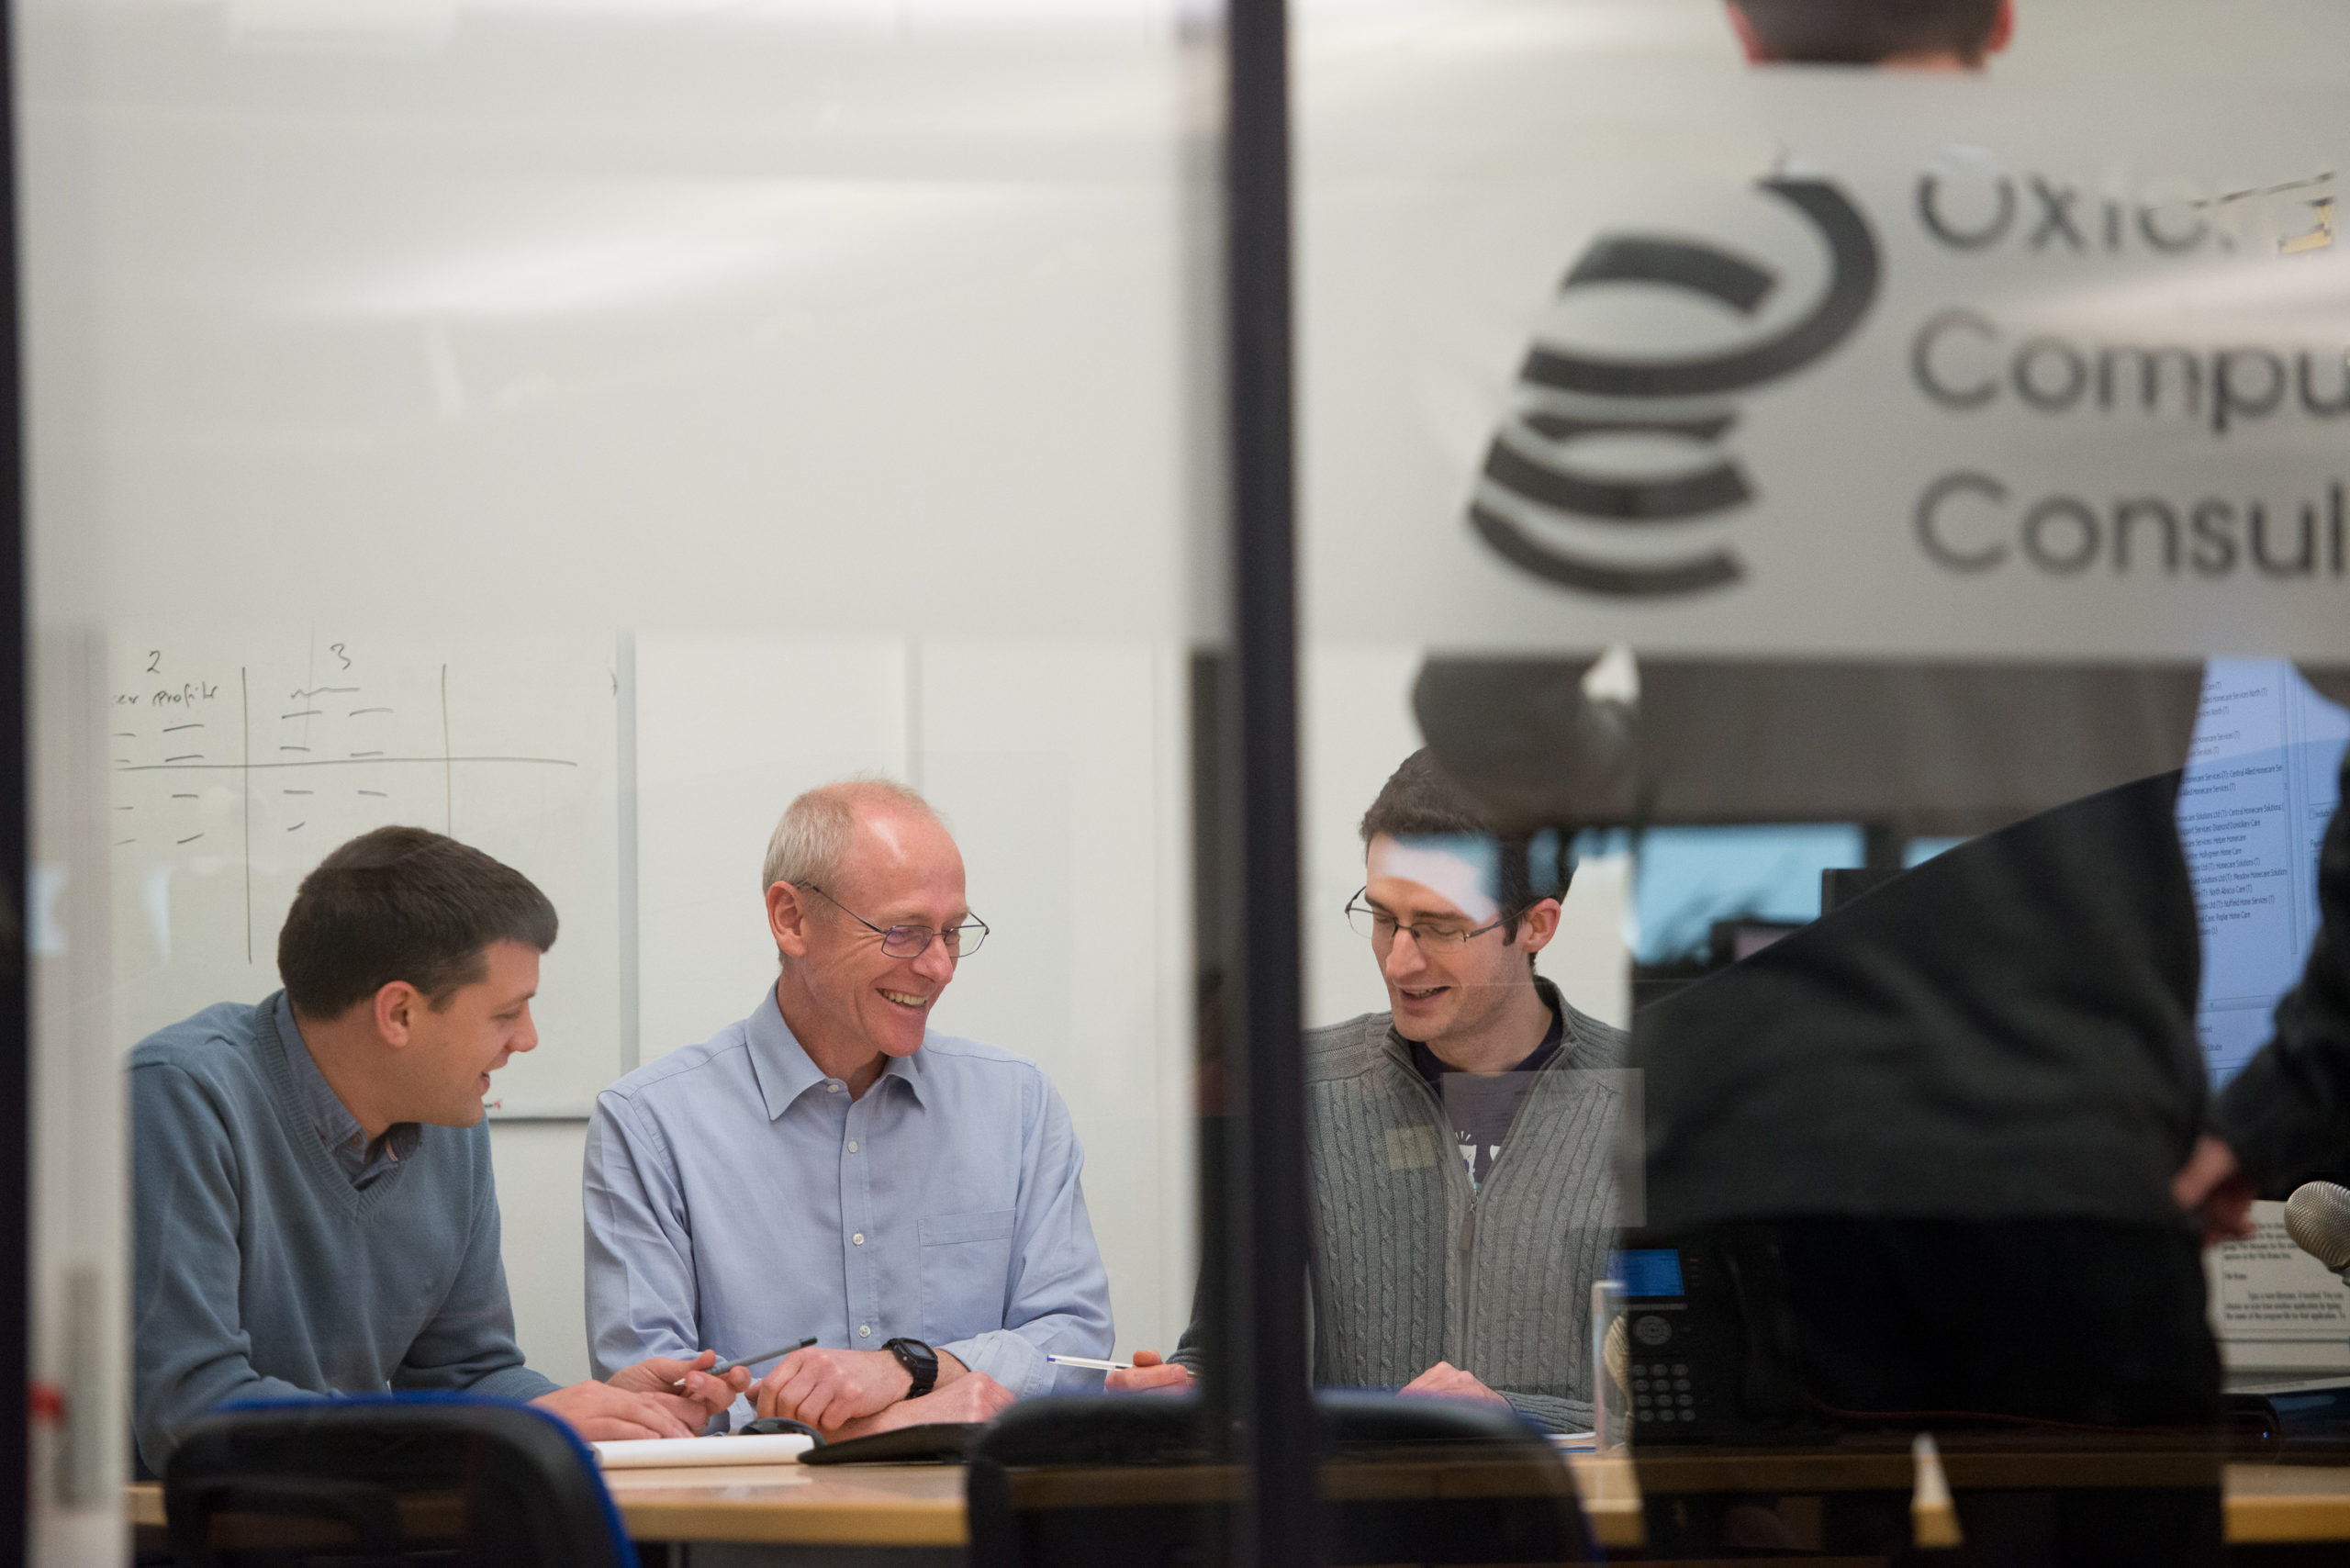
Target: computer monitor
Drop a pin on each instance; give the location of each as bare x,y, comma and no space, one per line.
2261,782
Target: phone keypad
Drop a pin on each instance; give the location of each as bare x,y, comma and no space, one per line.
1660,1392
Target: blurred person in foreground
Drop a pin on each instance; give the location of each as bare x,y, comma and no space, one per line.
1460,1144
833,1166
1894,35
1934,1136
2286,1118
313,1206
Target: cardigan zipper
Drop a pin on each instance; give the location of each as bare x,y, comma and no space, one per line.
1446,1160
1468,1278
1469,1216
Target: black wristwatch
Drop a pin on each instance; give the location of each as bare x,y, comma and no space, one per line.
921,1363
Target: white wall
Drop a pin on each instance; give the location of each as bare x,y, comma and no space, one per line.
728,730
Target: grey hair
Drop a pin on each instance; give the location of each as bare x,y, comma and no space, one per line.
811,840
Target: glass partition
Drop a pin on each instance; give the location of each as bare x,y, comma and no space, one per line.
575,431
1810,670
1861,479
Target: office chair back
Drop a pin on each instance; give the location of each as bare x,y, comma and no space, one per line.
1130,1481
396,1481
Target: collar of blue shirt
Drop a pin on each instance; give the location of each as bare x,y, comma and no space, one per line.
785,1071
337,1129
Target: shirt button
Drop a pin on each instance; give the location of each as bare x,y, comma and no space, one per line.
852,1146
858,1238
865,1331
831,1086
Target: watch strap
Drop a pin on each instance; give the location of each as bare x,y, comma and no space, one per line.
921,1363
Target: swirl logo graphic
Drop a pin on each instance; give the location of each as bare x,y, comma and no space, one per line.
1530,492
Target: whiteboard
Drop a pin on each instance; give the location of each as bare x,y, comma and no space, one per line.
239,758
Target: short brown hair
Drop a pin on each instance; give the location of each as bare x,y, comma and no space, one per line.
1420,801
1867,32
403,903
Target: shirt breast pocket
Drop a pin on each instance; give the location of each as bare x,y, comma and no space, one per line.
965,1273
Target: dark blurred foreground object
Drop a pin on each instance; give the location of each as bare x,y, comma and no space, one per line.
1931,1138
1126,1480
1932,748
2063,1365
441,1478
2005,1031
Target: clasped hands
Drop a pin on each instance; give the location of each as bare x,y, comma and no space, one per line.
850,1393
1153,1373
841,1394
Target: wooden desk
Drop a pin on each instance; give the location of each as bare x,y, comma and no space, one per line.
785,1505
2269,1503
865,1505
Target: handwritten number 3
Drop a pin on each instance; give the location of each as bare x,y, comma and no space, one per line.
337,648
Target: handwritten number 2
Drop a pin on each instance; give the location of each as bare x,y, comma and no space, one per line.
154,661
337,649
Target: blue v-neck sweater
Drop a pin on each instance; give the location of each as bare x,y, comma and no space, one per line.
261,1273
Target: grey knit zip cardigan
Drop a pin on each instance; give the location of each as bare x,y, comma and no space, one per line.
1412,1267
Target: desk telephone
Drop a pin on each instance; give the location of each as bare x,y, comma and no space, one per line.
1707,1342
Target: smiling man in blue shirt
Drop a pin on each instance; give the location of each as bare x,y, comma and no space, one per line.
830,1166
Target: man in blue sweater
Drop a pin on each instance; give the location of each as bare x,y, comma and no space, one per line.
314,1210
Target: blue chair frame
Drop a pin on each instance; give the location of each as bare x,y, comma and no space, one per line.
528,1491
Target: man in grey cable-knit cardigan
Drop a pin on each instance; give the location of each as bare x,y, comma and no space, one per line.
1462,1143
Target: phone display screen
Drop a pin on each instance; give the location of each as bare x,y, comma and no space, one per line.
1650,1271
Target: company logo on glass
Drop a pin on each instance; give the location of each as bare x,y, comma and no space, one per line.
1536,507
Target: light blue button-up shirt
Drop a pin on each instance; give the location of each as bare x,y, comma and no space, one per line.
737,1199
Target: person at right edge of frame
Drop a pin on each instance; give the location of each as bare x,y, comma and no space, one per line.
2286,1116
1955,1141
1462,1145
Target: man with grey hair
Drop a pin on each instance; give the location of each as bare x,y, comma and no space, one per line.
831,1168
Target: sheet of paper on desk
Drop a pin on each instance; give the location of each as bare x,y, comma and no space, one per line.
669,1453
2275,1305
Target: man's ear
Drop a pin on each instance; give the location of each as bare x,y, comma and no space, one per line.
1538,925
2002,29
788,920
396,1007
1755,53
